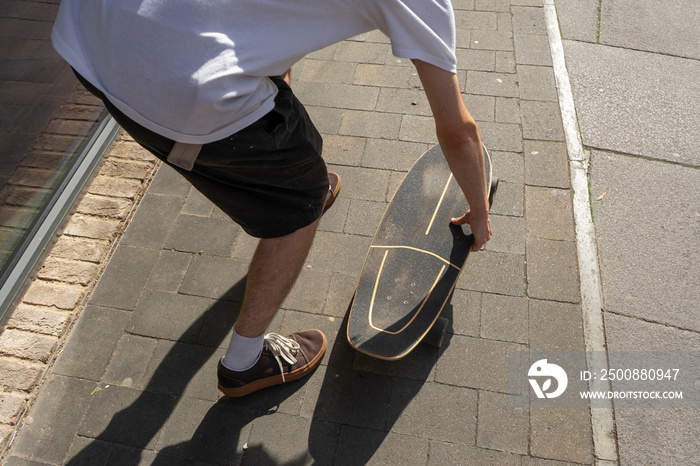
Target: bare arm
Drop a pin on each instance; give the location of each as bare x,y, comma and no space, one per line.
459,139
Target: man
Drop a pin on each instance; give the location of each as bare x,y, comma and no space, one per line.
204,85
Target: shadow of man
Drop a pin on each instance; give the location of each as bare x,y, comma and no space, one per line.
137,425
366,396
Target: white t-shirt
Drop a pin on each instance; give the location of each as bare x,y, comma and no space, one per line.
196,71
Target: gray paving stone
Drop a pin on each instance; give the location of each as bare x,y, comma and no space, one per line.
657,435
181,369
500,426
403,101
507,110
197,204
168,182
202,235
362,52
549,213
337,95
505,62
555,326
485,20
419,409
509,200
479,60
546,164
476,363
501,136
334,219
623,25
122,282
92,451
466,312
168,271
508,167
129,361
445,454
541,120
482,107
370,124
627,260
537,83
504,318
362,446
152,223
283,439
383,75
419,364
17,461
327,71
578,19
363,183
418,129
364,217
127,417
392,155
495,84
509,235
326,120
91,344
340,294
341,396
552,271
635,102
53,420
562,434
343,150
492,40
494,272
198,430
527,20
335,252
169,316
532,49
214,277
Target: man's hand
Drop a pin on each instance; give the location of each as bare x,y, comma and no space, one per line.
480,229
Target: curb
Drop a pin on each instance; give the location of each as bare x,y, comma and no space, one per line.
602,419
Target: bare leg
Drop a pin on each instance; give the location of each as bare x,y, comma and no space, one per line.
274,269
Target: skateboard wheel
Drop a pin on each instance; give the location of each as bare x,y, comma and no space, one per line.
494,188
436,334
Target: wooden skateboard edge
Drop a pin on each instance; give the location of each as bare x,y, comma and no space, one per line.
418,342
437,316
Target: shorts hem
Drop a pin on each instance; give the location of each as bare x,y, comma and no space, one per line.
294,224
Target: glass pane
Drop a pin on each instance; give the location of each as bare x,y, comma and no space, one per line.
45,118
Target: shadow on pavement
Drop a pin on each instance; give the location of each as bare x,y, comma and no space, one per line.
358,402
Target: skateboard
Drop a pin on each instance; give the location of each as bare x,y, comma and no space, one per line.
413,263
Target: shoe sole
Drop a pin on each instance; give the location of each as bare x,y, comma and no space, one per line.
334,193
277,379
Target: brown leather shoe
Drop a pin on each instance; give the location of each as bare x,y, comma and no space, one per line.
333,190
283,359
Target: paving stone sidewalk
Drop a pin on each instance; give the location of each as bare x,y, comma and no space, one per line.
135,382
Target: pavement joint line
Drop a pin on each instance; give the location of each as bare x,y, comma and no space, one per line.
602,419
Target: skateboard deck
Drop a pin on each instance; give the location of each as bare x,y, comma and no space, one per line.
413,263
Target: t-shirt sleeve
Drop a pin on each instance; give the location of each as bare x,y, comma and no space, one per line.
418,29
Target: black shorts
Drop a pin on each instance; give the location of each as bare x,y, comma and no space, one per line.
269,177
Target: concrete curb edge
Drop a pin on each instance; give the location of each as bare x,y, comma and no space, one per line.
602,419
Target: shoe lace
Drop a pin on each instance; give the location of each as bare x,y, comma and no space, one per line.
282,347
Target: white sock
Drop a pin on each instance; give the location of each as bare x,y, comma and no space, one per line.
243,352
